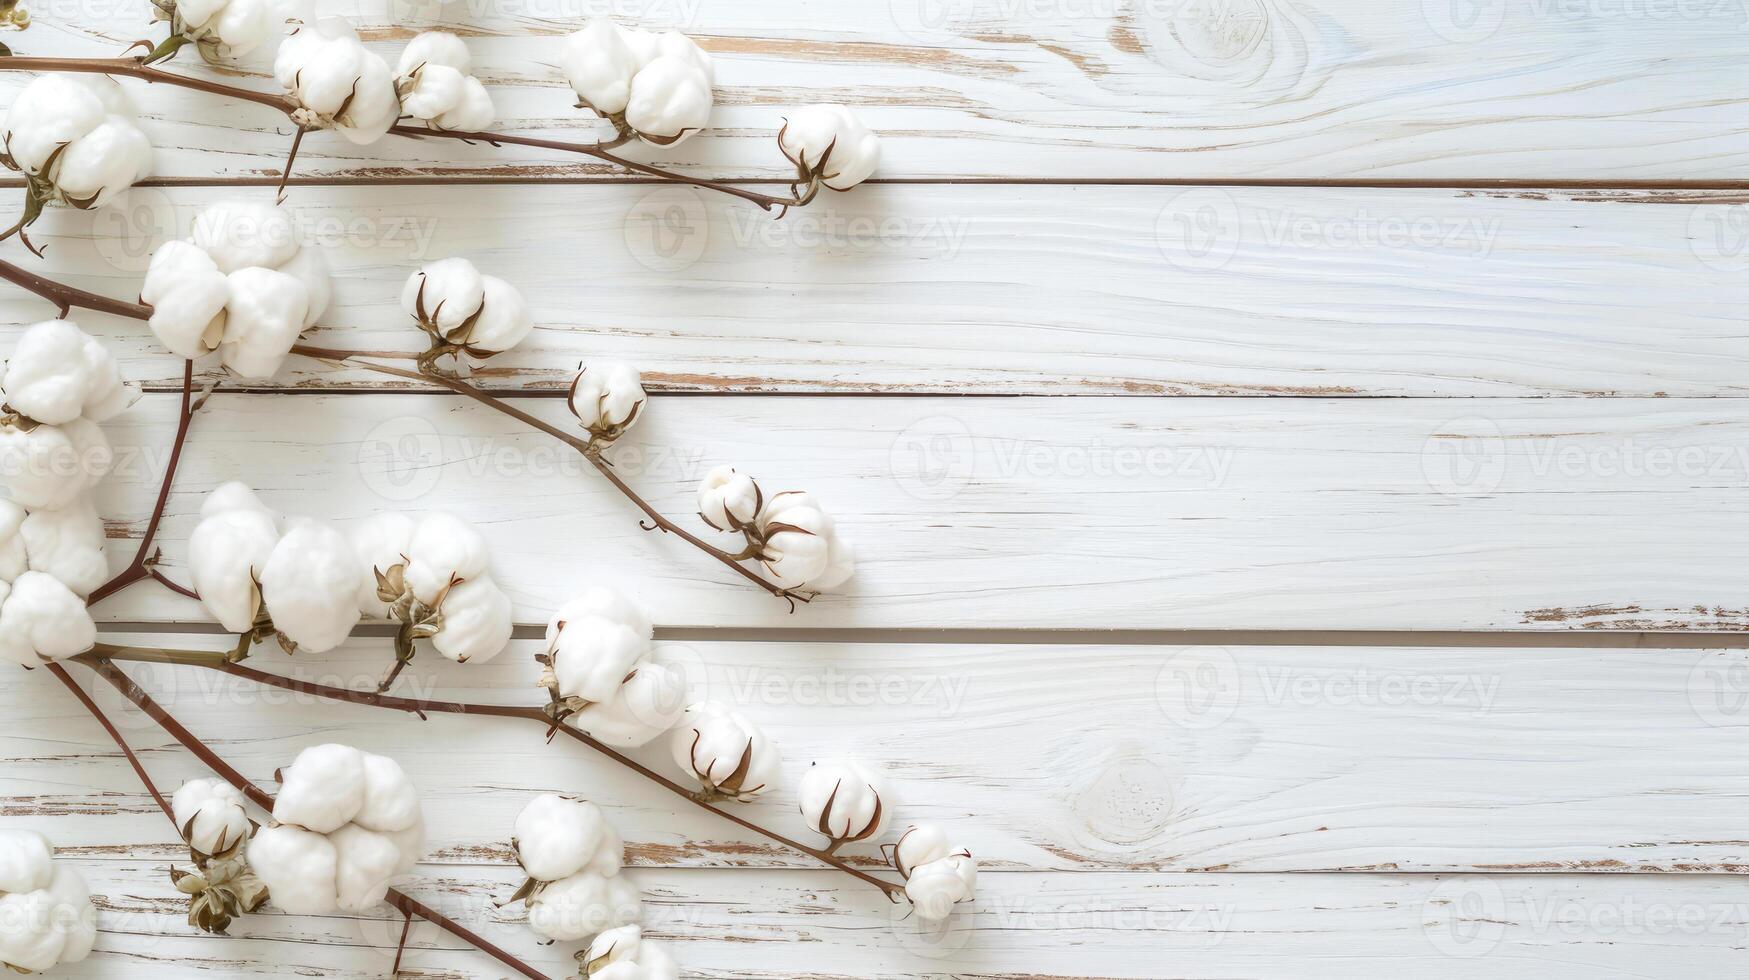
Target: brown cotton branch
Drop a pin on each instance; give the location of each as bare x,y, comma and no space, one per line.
105,653
133,692
136,68
67,297
144,557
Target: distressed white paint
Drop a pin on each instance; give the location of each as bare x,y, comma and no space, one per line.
809,926
1179,513
1039,757
1102,88
1018,290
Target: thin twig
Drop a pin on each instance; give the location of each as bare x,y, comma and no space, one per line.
141,567
214,660
121,743
133,692
134,68
67,297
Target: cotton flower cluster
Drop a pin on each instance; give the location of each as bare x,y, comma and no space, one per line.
600,675
657,86
844,802
830,145
436,84
220,29
938,876
219,885
624,954
725,752
46,915
242,284
790,534
76,140
345,823
573,858
58,384
336,82
313,582
459,307
607,399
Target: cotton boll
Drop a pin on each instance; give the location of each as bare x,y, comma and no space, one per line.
607,604
476,622
801,547
41,619
67,543
582,906
104,162
364,863
325,69
607,399
26,861
844,802
670,100
381,542
592,656
922,844
51,465
560,836
240,28
473,114
264,315
830,142
75,917
444,293
187,293
504,318
323,789
53,110
13,558
729,500
624,954
935,888
649,703
725,752
599,63
238,234
310,267
211,816
58,372
227,554
390,803
300,869
311,586
444,549
28,937
434,48
435,90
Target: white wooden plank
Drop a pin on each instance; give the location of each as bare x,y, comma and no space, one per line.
795,925
1043,513
1029,290
1234,88
1039,757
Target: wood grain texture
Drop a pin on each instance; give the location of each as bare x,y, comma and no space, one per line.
1017,290
803,926
1097,89
1243,759
1614,514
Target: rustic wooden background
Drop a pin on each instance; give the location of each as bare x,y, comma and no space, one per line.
1296,448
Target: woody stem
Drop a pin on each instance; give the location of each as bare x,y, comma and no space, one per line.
141,567
120,681
67,297
135,68
575,442
106,654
